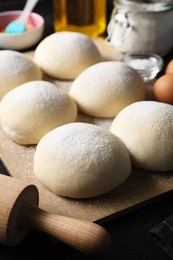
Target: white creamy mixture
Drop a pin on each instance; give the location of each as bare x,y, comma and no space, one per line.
140,64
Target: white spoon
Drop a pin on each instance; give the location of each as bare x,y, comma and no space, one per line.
19,24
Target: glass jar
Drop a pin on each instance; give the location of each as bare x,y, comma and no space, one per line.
141,27
85,16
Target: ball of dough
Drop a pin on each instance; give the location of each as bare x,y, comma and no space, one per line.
31,110
16,69
65,55
146,128
105,88
81,160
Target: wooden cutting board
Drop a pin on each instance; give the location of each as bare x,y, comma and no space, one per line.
141,187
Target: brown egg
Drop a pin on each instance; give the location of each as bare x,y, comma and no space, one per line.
169,67
163,89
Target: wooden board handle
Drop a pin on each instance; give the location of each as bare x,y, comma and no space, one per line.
84,236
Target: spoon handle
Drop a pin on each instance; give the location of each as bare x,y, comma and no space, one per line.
30,4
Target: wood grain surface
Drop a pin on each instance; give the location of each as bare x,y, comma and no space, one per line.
141,187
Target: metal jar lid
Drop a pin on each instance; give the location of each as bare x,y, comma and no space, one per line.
145,5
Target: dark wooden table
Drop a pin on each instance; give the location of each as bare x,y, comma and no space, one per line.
131,238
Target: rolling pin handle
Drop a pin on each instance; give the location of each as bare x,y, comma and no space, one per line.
85,236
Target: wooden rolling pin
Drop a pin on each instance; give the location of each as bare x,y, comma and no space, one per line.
19,213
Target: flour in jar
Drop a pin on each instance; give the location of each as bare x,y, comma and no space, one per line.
141,27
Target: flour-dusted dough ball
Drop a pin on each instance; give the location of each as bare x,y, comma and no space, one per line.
146,128
65,55
105,88
81,160
16,69
31,110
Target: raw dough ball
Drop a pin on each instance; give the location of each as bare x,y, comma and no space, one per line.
107,87
16,69
81,160
65,55
146,128
31,110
